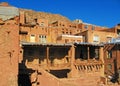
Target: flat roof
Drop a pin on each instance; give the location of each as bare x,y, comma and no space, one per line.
88,44
59,44
114,41
117,43
45,44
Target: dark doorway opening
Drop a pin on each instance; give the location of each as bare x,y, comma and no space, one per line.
60,73
24,80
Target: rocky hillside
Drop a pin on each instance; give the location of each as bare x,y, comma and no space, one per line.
32,15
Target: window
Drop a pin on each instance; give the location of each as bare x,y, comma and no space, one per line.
42,38
95,38
118,32
86,26
109,54
32,38
35,20
109,39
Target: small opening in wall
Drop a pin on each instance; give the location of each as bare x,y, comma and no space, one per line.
60,73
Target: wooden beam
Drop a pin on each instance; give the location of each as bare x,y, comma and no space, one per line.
47,57
72,54
88,50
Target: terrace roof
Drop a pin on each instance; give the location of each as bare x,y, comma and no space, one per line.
58,44
88,44
45,44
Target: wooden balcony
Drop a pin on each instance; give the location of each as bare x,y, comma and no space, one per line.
86,66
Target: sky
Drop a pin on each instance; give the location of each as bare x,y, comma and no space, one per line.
98,12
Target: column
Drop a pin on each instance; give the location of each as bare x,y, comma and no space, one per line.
74,71
102,59
72,54
101,54
69,55
88,52
47,56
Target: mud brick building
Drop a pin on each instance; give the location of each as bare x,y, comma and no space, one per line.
98,37
111,56
65,64
42,49
62,52
9,45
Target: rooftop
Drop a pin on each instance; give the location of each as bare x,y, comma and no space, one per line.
89,44
45,44
59,44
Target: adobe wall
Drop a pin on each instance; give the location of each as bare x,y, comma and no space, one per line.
36,30
9,47
82,81
102,36
86,26
46,79
112,59
9,44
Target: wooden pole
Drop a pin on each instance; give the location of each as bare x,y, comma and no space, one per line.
88,49
47,57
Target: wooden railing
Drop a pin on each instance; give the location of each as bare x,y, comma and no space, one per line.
88,66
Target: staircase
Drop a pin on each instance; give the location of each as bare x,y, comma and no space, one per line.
47,79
